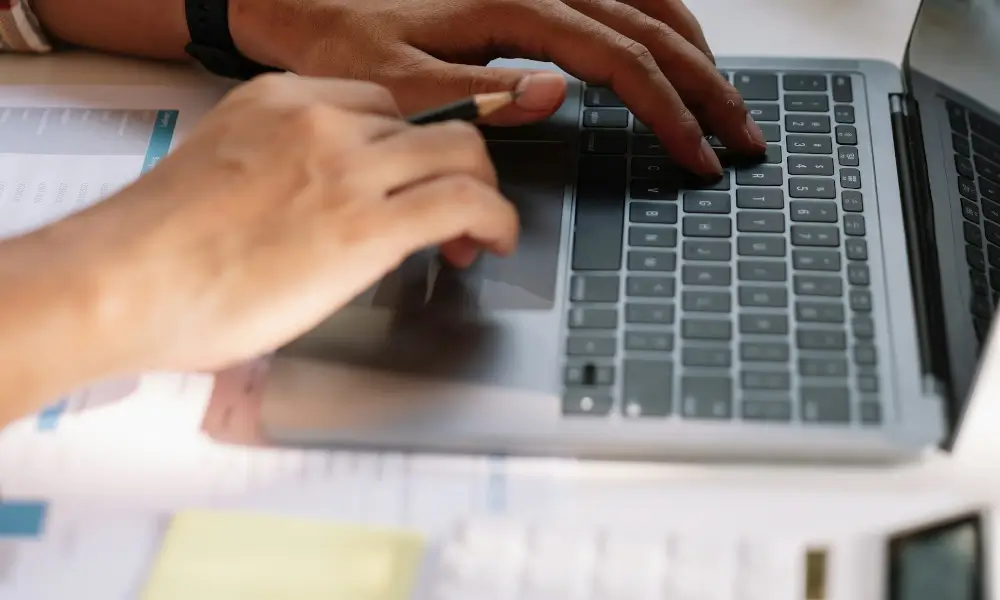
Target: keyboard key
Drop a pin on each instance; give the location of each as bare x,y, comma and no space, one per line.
809,339
964,167
970,211
856,249
809,144
807,124
819,312
718,302
759,198
868,383
809,211
771,131
815,235
826,405
812,187
988,150
759,296
850,179
843,113
865,355
988,189
823,367
707,227
763,112
605,117
992,231
818,285
810,165
648,389
861,300
594,288
707,250
847,135
847,156
854,225
987,169
816,260
764,324
760,222
773,154
707,357
816,103
648,287
591,346
604,142
757,86
972,234
993,255
760,245
764,352
601,97
863,327
649,341
645,166
650,314
961,144
871,412
843,90
651,260
589,375
967,188
652,189
646,145
706,275
956,116
858,274
980,307
652,237
706,329
765,175
707,397
587,402
600,214
707,202
852,201
639,127
653,212
765,380
805,83
593,318
981,126
766,410
759,270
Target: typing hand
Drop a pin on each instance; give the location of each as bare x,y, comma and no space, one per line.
289,199
650,52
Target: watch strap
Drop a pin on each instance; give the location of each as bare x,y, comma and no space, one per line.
212,43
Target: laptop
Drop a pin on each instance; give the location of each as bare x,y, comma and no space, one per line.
826,304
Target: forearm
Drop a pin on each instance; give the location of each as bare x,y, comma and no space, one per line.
50,324
148,28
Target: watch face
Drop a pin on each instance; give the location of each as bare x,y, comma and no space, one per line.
942,562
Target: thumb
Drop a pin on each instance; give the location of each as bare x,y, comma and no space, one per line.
541,92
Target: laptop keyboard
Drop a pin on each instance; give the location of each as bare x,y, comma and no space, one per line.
976,142
725,300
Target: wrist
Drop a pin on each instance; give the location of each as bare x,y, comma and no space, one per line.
263,31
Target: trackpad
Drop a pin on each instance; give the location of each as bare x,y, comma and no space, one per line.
495,321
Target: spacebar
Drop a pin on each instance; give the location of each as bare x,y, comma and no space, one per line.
600,214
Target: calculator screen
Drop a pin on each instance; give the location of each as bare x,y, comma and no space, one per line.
941,562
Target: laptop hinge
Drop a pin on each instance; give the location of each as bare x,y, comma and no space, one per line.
918,214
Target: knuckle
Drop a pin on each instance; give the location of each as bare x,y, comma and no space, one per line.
312,120
463,189
733,99
637,54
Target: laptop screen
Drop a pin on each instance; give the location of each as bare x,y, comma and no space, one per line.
957,43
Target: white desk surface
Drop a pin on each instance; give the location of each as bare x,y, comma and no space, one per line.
831,28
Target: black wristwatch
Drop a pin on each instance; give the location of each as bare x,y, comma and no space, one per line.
212,44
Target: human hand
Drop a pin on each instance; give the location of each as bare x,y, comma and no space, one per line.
289,199
650,52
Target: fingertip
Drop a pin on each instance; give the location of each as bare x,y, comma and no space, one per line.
539,96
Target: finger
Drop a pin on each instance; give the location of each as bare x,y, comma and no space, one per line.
434,82
552,30
461,252
675,15
446,209
711,97
346,94
420,153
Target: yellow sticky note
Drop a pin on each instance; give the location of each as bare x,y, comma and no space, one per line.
209,555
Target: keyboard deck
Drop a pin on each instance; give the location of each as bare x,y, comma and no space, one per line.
729,300
976,142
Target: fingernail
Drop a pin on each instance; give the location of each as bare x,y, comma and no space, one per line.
541,92
754,133
709,160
